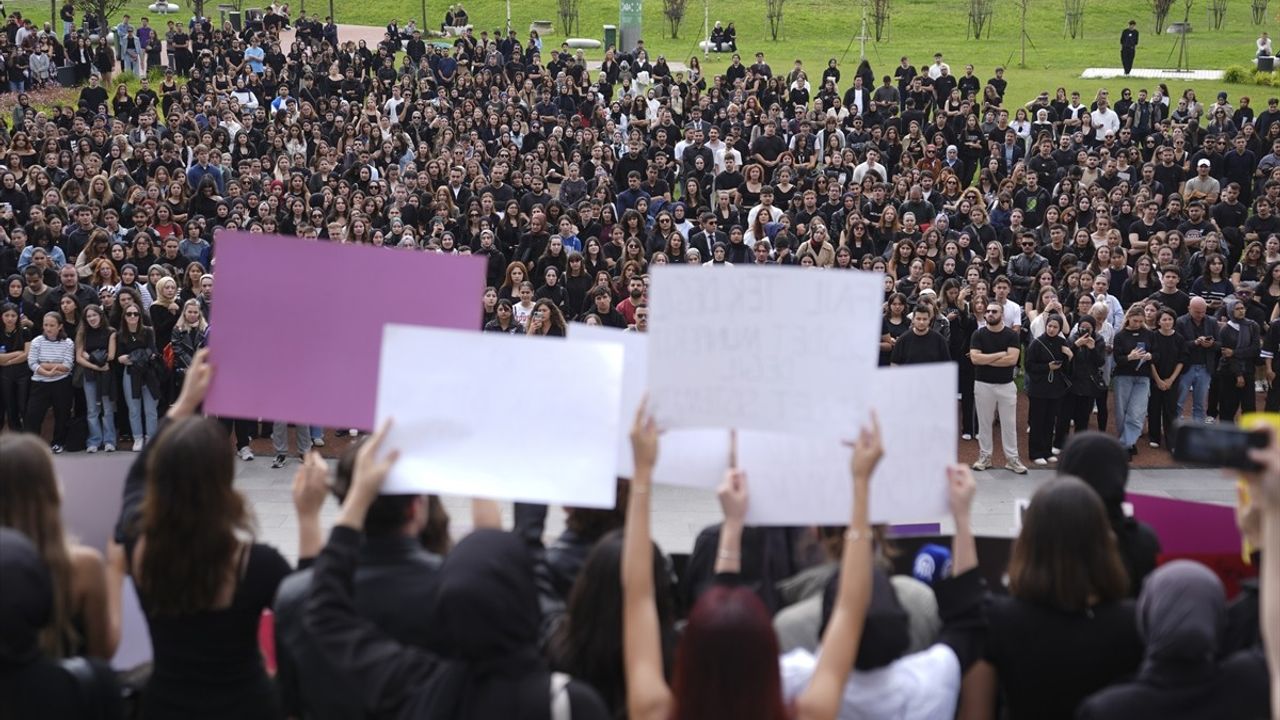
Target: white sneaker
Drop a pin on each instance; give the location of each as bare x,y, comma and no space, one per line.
1015,466
91,449
966,436
1153,444
983,463
318,442
1056,451
245,453
110,447
137,444
1041,461
353,432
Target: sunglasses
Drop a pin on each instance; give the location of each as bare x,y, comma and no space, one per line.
132,314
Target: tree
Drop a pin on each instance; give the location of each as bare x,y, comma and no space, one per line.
1217,13
880,16
1073,13
102,10
773,11
673,10
1259,8
980,12
568,11
1160,10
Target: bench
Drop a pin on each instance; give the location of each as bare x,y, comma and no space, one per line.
583,43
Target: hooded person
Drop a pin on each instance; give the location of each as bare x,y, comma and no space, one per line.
1181,617
484,662
32,685
1103,463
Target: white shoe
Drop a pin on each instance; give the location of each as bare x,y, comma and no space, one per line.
110,447
318,442
966,436
353,432
245,453
91,449
1153,444
1055,451
1041,461
137,444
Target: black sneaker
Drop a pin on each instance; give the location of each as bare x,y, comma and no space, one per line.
279,461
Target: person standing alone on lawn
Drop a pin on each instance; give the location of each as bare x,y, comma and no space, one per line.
1128,45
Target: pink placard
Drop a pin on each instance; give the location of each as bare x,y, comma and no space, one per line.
296,325
1184,526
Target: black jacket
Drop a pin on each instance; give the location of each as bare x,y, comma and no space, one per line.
484,618
395,580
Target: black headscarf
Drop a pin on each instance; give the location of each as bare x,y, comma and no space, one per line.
1103,463
486,621
26,599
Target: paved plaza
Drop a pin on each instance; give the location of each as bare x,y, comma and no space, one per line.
680,513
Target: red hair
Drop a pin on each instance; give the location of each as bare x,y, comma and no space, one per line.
727,660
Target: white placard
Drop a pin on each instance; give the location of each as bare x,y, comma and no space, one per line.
635,369
466,431
762,348
692,458
795,480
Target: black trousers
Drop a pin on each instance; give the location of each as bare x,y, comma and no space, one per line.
968,414
1232,399
1126,59
1043,417
242,428
1162,412
44,395
1073,411
1103,413
13,401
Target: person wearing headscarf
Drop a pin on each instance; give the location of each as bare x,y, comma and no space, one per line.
1181,617
32,685
1102,462
483,662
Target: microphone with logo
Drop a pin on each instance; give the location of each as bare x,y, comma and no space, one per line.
932,564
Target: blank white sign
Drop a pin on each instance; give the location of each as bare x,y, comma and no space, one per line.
761,348
635,368
800,480
462,429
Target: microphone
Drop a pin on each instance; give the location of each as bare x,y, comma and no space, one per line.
932,564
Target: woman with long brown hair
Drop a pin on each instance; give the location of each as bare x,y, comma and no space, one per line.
202,580
86,613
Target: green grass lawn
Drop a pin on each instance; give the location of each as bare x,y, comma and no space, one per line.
816,30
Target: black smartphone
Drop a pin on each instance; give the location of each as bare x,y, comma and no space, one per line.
1218,445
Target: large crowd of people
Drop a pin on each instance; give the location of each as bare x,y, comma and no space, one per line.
1105,256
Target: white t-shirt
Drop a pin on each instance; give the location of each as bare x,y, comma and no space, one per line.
920,686
1105,122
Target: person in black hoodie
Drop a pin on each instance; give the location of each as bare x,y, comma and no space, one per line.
1181,616
32,685
484,633
1241,342
1100,461
1048,359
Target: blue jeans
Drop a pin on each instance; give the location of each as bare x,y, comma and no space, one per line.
1195,378
138,408
100,430
317,432
1132,393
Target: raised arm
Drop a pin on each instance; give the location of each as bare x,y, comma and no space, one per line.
648,697
821,700
1266,487
310,486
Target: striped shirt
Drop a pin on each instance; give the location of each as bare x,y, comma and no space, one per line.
44,350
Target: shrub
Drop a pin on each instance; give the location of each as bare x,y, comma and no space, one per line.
1238,74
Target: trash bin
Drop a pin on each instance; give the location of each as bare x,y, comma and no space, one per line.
67,76
610,36
234,17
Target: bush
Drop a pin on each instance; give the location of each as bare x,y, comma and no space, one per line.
1264,78
1238,74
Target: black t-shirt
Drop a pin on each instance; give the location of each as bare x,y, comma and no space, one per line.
913,349
1179,301
986,341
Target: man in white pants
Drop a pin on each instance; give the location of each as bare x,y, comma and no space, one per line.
994,351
